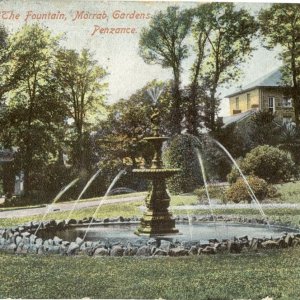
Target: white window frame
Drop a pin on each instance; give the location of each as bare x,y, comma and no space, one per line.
271,100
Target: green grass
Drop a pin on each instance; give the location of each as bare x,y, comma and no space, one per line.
290,192
246,276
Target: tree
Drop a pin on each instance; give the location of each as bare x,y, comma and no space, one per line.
33,119
280,26
223,38
163,43
81,87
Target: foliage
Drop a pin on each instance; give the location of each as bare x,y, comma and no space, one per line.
222,35
239,191
279,26
33,119
181,154
215,192
163,43
263,129
268,163
289,140
80,81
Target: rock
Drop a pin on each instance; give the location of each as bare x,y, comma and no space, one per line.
25,248
57,241
234,247
106,220
144,251
209,250
165,245
117,251
193,250
54,250
40,250
101,252
270,244
130,251
33,249
18,240
2,241
60,224
73,248
153,242
11,248
39,242
288,240
88,251
296,242
178,251
79,241
32,238
160,252
254,244
65,243
63,249
120,219
71,222
25,234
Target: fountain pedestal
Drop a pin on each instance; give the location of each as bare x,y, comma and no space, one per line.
157,220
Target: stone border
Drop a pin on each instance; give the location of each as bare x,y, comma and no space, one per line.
21,240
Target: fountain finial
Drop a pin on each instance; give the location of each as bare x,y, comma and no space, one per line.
154,94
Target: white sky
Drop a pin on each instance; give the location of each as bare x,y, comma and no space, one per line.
119,53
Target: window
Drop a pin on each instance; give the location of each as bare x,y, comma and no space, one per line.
271,102
248,101
237,103
286,102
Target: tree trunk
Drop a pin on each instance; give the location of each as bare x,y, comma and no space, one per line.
8,179
176,116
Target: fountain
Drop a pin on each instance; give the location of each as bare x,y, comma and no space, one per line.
157,220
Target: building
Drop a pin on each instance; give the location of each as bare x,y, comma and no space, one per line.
263,94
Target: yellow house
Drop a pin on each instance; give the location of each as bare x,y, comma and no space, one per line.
263,94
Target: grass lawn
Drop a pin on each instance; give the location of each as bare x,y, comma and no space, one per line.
290,192
246,276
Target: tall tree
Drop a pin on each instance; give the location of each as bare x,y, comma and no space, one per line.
223,36
82,88
163,43
32,120
280,26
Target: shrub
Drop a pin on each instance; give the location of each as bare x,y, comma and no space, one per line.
215,191
268,163
238,191
181,154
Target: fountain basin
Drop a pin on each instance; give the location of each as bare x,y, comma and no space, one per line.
199,232
114,237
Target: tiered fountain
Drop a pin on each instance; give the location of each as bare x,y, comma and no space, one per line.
157,220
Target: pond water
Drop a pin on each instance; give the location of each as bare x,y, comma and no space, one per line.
196,232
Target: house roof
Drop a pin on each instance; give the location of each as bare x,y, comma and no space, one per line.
271,79
238,117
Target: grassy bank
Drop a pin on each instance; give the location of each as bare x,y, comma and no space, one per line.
246,276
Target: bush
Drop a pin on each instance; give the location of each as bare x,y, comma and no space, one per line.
215,191
181,154
238,191
266,162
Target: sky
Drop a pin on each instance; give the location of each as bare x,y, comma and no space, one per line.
81,22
